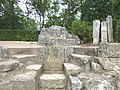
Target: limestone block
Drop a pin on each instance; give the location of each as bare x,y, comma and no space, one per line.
54,58
3,54
110,50
41,54
25,81
53,81
8,65
6,85
84,50
109,64
35,67
51,89
110,28
96,32
25,59
76,84
104,31
92,81
81,60
71,69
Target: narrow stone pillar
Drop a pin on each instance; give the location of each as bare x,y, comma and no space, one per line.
110,28
104,38
96,31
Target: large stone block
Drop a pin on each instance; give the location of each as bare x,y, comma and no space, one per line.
92,81
71,69
110,50
53,81
9,65
109,64
3,54
25,81
54,58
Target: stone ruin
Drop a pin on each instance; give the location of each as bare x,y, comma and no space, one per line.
60,63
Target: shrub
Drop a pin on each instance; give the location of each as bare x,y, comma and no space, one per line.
117,30
83,30
18,35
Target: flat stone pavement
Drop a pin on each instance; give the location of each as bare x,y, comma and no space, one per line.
18,44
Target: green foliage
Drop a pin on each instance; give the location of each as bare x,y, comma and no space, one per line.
82,29
18,35
117,30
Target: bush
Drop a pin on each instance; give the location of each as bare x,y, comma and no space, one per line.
83,30
117,30
18,35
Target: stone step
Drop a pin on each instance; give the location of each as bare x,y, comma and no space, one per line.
9,65
86,50
25,59
71,69
80,60
21,50
52,81
25,81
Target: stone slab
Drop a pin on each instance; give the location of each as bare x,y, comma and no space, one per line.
9,65
53,81
71,69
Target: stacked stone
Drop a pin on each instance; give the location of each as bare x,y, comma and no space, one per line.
57,42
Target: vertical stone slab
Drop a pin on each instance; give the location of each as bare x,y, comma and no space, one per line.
110,28
54,58
104,37
96,31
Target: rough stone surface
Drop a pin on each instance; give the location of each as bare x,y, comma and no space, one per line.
94,81
81,60
84,50
76,84
110,28
53,81
8,65
104,31
25,59
3,54
54,58
96,31
56,35
109,50
71,69
25,81
109,64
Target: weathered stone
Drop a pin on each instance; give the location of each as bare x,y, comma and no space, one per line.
25,59
96,67
96,32
67,51
3,54
76,84
57,35
53,81
81,60
41,54
71,69
92,81
84,50
110,28
6,85
25,81
9,65
109,50
35,67
109,64
104,30
51,89
54,58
